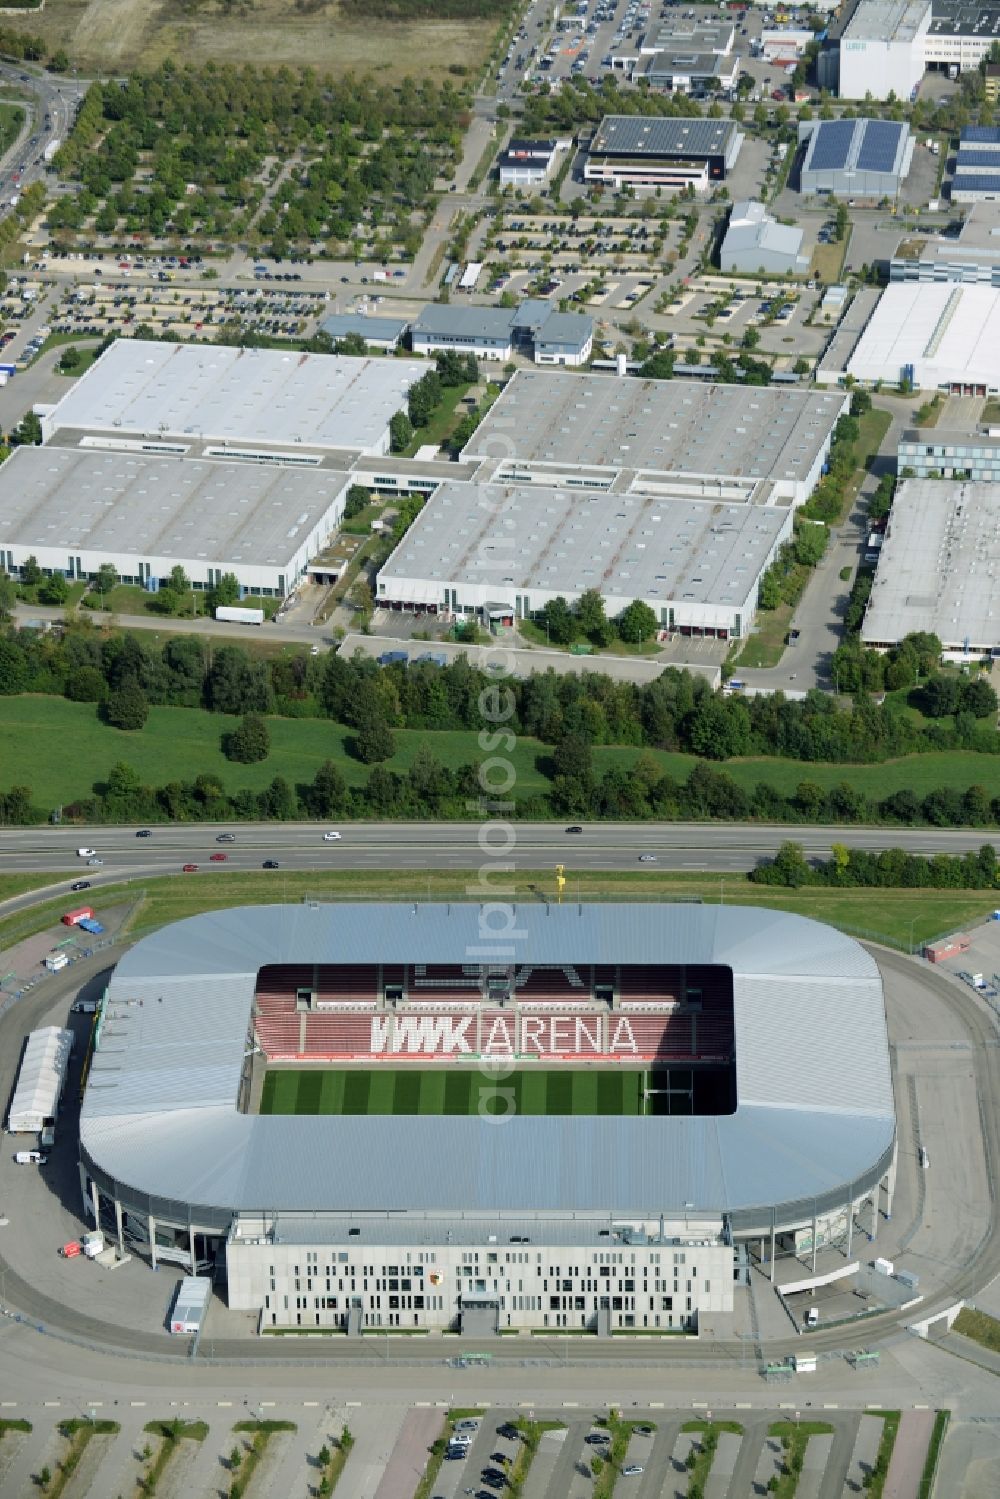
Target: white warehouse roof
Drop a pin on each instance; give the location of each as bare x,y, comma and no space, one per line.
40,1079
221,394
941,333
119,504
814,1114
939,566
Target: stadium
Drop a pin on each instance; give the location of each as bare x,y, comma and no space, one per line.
483,1117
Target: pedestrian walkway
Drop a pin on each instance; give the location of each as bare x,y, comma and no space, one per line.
906,1466
405,1464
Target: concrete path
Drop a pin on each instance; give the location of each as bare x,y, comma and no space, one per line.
815,1463
754,1435
549,1454
906,1466
409,1455
298,1473
375,1430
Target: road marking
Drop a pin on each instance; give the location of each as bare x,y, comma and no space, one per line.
571,1404
656,1405
309,1403
699,1405
137,1402
744,1405
50,1402
921,1407
831,1407
262,1403
358,1403
223,1403
8,1404
786,1405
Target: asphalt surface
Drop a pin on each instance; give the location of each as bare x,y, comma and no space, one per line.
418,846
51,97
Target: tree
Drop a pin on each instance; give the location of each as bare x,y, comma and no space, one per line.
179,582
400,432
126,708
70,359
942,695
979,698
85,685
27,433
54,590
249,742
106,579
223,594
373,739
557,616
13,668
31,573
637,622
358,499
591,617
8,597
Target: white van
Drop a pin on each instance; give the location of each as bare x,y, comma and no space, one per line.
86,853
30,1158
812,1317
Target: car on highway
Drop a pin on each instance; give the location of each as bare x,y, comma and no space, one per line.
574,829
647,858
270,864
335,838
86,853
226,838
95,860
80,885
189,868
144,833
218,858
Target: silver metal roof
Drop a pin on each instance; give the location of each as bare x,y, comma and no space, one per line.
664,426
237,395
814,1111
148,505
568,540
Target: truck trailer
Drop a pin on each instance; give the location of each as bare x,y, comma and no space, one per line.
240,616
190,1305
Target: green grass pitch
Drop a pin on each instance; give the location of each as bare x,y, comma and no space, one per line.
412,1091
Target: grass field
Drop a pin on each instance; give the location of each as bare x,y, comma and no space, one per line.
450,1091
895,917
182,743
114,36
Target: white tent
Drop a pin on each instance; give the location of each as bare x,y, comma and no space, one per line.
40,1080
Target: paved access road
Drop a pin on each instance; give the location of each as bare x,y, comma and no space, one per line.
422,847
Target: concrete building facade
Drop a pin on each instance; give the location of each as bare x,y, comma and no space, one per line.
647,152
971,256
855,158
882,49
977,166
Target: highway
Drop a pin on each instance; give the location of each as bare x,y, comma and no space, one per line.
718,848
48,117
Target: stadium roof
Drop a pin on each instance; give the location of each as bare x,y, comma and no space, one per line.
651,135
147,505
814,1113
662,426
237,395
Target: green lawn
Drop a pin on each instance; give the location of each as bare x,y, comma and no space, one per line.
451,1091
182,743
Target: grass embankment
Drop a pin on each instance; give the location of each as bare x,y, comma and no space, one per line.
16,1425
794,1437
169,1435
897,914
183,743
873,424
980,1327
875,1479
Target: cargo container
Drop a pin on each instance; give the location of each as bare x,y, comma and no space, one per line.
56,961
88,924
190,1305
74,918
240,616
948,947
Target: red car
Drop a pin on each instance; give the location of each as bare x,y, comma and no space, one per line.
218,858
190,868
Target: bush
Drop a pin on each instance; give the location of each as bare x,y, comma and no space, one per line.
127,708
249,742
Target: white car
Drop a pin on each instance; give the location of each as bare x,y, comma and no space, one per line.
331,837
86,853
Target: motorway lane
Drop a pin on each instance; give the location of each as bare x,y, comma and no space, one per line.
708,847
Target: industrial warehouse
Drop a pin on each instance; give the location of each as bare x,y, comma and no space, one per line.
865,159
210,400
503,552
724,442
688,1105
938,566
940,337
646,151
73,509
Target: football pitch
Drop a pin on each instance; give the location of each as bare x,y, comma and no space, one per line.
409,1091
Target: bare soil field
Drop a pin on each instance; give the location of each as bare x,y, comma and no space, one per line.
108,36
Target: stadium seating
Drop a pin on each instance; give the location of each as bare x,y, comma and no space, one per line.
338,1035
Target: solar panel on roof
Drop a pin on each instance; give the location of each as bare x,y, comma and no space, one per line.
879,146
978,159
830,145
987,183
980,134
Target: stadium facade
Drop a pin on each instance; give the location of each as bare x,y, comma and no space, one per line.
767,1123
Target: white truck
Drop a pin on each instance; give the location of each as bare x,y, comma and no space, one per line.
240,616
51,149
190,1304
